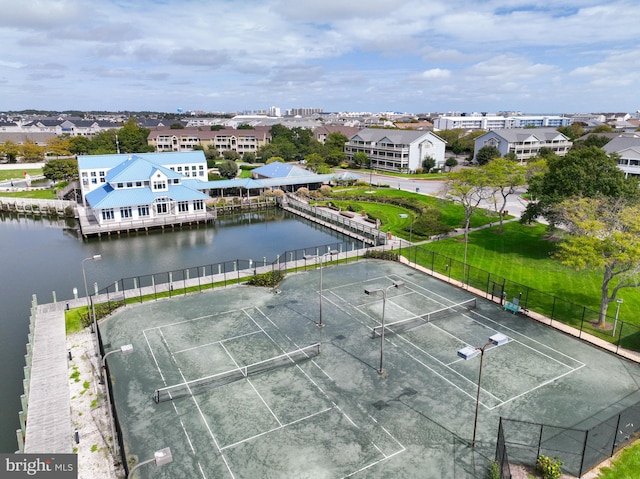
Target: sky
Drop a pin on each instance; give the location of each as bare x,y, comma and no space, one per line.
415,56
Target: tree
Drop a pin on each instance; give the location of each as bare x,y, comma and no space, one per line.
10,151
469,188
133,139
273,159
603,129
314,161
249,157
61,170
79,145
486,154
59,146
603,233
573,131
211,153
451,163
230,155
428,163
228,169
587,172
31,152
360,159
503,179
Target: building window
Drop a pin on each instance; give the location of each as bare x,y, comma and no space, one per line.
159,185
162,206
143,211
138,184
130,184
120,185
125,212
183,206
198,205
107,214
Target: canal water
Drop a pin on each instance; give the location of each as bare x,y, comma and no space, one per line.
40,256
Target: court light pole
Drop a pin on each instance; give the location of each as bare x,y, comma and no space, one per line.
471,352
160,457
95,257
374,292
125,350
321,257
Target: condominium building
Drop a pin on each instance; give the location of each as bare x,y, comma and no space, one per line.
396,150
488,122
524,142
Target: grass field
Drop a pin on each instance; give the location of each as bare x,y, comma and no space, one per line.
523,254
17,173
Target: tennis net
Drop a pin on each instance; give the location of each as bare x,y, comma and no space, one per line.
416,321
197,386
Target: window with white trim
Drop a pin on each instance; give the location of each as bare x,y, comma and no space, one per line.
107,214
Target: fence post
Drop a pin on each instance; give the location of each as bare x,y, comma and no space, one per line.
584,450
553,308
619,336
613,446
584,309
539,443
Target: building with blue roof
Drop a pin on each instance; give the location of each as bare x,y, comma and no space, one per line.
143,188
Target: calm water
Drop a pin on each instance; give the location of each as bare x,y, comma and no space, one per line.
42,256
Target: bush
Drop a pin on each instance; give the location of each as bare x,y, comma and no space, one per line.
494,471
304,192
269,280
386,255
325,190
549,468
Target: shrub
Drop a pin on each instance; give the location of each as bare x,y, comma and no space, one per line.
325,190
549,468
494,471
268,280
386,255
304,192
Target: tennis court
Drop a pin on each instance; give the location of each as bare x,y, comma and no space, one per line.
242,382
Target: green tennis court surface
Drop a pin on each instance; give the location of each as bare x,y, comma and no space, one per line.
266,410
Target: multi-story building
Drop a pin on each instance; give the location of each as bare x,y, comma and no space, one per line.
524,142
396,150
627,147
239,140
143,187
491,122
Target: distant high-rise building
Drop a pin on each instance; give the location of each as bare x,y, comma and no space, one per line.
274,111
303,111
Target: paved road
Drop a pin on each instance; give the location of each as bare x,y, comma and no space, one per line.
515,203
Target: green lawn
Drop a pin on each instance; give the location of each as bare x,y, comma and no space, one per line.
39,194
626,464
523,254
18,173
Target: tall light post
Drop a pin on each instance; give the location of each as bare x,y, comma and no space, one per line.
471,352
320,324
373,292
615,322
126,349
95,257
160,457
404,215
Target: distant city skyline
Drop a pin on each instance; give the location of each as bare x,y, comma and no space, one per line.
569,56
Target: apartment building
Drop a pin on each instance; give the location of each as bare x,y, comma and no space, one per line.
524,142
396,150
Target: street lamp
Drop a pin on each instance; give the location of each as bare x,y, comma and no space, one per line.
320,324
615,322
373,292
95,257
403,215
471,352
160,457
126,349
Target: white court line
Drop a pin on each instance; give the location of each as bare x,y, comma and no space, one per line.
217,342
184,429
247,439
195,402
190,320
252,386
335,405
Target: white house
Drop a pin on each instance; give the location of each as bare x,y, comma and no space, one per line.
397,150
524,142
144,188
627,146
